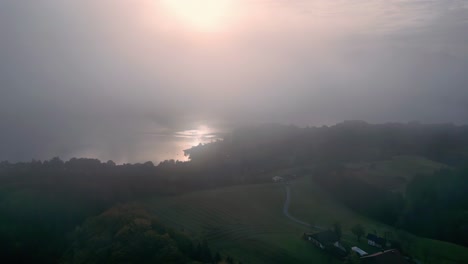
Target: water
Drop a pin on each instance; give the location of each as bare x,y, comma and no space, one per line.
172,145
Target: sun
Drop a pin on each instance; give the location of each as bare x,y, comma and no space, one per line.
201,15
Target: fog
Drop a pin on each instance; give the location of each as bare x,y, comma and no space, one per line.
137,80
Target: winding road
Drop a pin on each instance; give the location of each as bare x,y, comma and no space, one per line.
287,202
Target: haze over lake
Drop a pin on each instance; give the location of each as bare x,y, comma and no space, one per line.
172,145
234,131
105,78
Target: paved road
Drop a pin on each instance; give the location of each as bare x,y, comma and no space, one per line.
287,202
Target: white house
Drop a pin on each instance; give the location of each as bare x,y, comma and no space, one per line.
359,251
376,241
278,179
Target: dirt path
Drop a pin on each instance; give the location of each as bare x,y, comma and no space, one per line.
287,202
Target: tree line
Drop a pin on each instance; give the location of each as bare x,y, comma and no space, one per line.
42,201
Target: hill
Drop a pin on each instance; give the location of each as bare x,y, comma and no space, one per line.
395,173
411,176
247,222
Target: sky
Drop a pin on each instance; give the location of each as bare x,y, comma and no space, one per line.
137,80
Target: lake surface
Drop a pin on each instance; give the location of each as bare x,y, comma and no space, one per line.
136,142
163,146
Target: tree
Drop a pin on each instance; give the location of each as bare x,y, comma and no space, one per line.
358,231
406,240
353,258
337,229
206,252
56,162
217,258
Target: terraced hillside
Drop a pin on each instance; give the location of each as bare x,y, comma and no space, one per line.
247,223
314,205
395,173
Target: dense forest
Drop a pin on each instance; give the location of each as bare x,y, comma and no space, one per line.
60,211
129,234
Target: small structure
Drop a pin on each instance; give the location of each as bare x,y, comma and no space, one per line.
328,241
278,179
375,240
391,256
359,251
323,239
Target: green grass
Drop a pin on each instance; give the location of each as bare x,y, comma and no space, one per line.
247,223
394,173
324,211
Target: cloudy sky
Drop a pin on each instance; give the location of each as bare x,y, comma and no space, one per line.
114,79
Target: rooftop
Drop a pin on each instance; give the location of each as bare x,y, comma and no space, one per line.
376,239
326,237
391,256
359,251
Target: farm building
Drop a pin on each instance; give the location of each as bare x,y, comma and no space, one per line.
359,251
375,240
278,179
323,239
329,241
391,256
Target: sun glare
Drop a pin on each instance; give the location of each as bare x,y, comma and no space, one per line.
201,15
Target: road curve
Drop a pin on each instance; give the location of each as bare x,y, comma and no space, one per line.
287,202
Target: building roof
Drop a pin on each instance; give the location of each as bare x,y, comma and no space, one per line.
376,239
391,256
326,237
359,251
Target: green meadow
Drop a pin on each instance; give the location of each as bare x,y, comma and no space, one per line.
247,223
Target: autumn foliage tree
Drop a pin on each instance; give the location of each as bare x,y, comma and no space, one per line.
358,231
128,234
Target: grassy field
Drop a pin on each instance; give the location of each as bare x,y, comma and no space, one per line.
313,205
247,223
394,173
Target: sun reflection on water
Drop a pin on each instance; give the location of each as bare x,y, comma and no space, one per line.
187,139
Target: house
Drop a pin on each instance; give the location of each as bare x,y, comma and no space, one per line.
359,251
391,256
376,241
323,239
329,241
278,179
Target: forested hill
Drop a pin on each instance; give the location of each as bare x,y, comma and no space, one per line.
350,141
43,201
411,176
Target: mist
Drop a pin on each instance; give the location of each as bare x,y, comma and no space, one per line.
124,79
